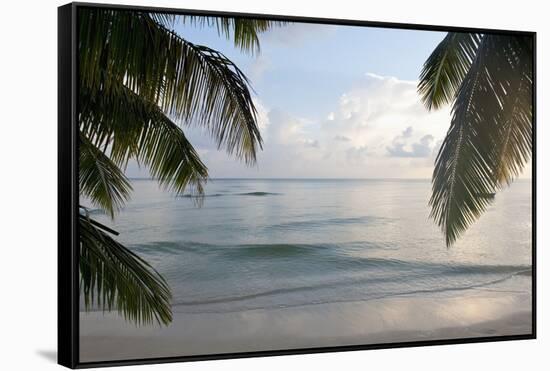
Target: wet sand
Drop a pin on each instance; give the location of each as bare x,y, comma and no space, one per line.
468,314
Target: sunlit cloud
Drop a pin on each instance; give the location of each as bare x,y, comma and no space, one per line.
342,138
377,129
402,147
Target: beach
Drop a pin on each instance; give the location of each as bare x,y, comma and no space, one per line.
470,314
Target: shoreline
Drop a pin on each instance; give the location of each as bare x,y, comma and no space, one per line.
475,313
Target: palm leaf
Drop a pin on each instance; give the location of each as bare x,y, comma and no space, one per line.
165,19
114,277
482,138
462,176
126,126
244,31
100,179
514,144
446,67
191,83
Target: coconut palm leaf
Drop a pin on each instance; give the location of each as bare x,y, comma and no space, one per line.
191,83
113,277
479,142
100,179
165,19
126,126
244,31
446,67
515,124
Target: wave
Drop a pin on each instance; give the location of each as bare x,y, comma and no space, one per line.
201,196
227,193
252,250
304,224
335,254
287,290
259,194
309,288
304,274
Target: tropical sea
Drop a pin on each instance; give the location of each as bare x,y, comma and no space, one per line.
293,245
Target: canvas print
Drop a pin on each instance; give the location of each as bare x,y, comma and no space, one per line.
258,185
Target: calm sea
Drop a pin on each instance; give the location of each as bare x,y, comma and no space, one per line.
282,243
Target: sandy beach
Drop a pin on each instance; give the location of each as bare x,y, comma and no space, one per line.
468,314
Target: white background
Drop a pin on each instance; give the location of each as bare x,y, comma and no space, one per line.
28,155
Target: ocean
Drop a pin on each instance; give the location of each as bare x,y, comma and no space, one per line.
282,243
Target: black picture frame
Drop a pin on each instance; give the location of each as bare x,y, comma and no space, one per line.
68,193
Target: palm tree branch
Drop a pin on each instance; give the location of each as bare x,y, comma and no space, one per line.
100,179
244,31
191,83
462,178
446,67
130,127
515,121
112,276
489,140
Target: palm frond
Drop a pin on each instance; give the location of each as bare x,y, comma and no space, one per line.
165,19
100,179
126,126
515,123
191,83
490,135
243,31
111,276
446,67
462,177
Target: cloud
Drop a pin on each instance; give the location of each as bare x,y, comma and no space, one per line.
311,143
357,155
342,138
403,147
381,123
262,115
407,133
378,128
285,129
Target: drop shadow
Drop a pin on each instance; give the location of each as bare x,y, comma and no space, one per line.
50,355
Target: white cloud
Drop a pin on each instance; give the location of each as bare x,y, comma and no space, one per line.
262,115
377,129
313,143
403,147
342,138
358,155
388,129
285,129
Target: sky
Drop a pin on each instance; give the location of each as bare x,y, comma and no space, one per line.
332,101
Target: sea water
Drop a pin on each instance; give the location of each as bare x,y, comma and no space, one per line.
273,243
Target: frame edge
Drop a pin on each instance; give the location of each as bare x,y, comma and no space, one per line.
67,280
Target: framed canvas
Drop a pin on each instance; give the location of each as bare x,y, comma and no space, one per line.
239,185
